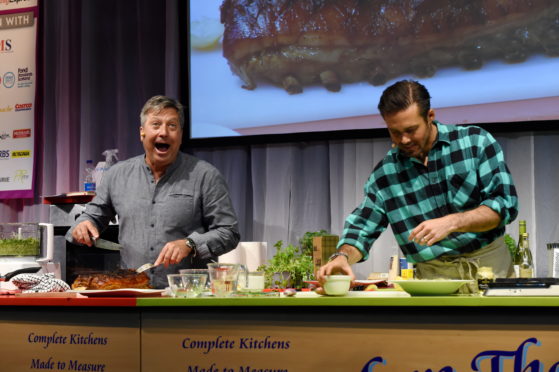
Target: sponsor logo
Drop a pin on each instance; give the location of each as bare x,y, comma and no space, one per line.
23,106
6,45
9,79
4,154
24,77
7,108
21,175
4,179
21,154
4,135
21,133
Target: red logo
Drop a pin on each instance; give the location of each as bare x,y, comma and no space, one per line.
23,106
21,133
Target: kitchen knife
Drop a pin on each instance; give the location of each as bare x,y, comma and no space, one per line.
105,244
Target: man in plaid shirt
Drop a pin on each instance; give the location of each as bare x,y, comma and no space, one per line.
445,191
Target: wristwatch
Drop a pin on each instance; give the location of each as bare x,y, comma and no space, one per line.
190,243
337,254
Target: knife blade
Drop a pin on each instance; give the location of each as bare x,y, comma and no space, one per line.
105,244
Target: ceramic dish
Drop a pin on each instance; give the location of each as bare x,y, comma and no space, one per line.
435,287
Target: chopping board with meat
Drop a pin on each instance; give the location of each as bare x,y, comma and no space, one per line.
118,279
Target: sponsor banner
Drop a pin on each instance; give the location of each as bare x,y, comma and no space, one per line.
179,342
18,46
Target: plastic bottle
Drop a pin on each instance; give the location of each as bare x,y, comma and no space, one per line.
88,181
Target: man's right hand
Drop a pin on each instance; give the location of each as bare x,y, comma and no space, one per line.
338,265
84,233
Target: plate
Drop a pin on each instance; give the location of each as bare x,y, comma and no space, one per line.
434,287
124,292
355,294
355,283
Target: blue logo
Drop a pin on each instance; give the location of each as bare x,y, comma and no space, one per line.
9,79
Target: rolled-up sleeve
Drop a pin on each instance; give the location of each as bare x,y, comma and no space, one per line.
497,186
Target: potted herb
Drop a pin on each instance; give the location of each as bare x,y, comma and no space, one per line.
288,268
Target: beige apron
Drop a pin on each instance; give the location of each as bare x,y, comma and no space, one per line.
465,266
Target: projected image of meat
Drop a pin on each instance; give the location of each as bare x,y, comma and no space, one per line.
296,43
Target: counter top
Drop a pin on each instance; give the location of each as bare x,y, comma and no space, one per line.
10,300
422,301
309,301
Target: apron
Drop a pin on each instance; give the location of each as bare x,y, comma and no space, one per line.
495,255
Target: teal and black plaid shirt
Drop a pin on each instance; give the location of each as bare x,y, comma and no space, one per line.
466,169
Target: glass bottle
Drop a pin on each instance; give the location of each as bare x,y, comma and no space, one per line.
517,259
88,181
527,264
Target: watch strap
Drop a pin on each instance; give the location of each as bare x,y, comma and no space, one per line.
189,242
337,254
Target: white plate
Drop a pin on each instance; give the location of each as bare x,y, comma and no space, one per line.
124,292
434,287
355,294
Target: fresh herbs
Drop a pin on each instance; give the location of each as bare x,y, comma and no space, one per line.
19,247
511,244
288,268
291,265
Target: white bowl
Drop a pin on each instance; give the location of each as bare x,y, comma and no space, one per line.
337,285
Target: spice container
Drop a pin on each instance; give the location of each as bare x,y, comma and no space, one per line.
553,260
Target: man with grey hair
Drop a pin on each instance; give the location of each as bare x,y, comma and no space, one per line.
174,210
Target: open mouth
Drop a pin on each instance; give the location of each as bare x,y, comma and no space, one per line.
162,147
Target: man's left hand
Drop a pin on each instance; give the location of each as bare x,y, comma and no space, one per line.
173,253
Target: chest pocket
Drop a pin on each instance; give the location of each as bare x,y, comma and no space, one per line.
178,209
463,190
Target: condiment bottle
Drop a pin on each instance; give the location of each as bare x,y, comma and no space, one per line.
527,264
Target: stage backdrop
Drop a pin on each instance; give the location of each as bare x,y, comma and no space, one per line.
18,35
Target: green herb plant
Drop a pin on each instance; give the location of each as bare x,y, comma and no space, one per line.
511,245
288,268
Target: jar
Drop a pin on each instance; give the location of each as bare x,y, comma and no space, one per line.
553,260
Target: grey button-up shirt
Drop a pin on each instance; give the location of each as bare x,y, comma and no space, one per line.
190,200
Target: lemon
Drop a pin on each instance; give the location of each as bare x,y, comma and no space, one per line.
205,33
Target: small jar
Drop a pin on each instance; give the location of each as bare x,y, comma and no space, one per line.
485,276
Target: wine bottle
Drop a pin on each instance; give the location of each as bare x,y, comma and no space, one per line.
527,264
517,258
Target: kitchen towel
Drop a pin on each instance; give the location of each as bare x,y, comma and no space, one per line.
35,283
250,254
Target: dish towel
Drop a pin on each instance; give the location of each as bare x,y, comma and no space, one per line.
39,283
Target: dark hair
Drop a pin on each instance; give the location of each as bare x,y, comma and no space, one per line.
158,103
401,95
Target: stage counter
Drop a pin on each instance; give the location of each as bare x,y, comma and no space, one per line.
454,333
